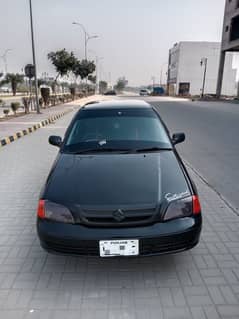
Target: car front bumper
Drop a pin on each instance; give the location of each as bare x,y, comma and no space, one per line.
161,238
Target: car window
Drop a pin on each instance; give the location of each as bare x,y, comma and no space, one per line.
130,128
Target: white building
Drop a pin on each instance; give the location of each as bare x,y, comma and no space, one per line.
186,74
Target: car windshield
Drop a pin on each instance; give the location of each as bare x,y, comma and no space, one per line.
116,130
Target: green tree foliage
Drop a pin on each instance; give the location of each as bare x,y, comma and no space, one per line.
26,103
88,67
6,112
14,79
83,68
65,84
39,82
45,93
15,106
121,84
66,62
103,86
92,78
63,62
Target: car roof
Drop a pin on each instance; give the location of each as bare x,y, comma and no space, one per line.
117,104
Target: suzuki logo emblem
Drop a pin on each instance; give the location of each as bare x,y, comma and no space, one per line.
119,215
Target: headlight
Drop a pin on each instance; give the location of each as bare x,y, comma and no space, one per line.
52,211
179,208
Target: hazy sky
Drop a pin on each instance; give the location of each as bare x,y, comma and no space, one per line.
135,35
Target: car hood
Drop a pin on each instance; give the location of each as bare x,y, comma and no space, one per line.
115,180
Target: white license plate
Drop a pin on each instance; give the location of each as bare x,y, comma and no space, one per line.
113,248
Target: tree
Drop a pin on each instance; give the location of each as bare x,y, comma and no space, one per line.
77,69
103,86
6,112
45,93
92,78
15,106
121,84
83,68
14,79
63,62
2,103
88,67
65,86
39,82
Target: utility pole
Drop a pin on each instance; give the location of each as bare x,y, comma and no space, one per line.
204,62
153,80
97,75
34,58
161,73
4,57
220,73
110,79
168,73
86,46
161,77
97,71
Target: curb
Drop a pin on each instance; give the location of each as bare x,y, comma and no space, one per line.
9,139
205,181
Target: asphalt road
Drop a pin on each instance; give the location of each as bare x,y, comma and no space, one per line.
212,140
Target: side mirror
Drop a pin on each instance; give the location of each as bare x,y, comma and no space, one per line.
55,140
178,138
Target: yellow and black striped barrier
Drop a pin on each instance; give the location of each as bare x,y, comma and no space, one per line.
16,136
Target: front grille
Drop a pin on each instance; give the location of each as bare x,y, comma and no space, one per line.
116,218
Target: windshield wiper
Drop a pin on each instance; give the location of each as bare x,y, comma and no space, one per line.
152,149
119,150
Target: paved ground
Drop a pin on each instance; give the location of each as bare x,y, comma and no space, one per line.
211,147
199,284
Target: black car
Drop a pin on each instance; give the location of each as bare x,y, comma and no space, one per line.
118,186
111,92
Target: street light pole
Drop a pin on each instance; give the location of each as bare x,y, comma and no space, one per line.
204,62
87,36
161,73
4,57
86,46
86,43
153,80
34,58
97,71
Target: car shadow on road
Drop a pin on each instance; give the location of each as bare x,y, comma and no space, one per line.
95,273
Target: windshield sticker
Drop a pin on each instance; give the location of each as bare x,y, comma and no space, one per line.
103,142
171,197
